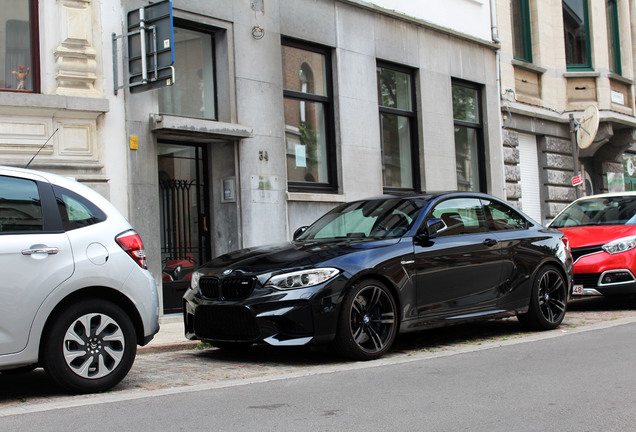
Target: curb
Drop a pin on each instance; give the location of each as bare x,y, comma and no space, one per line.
167,347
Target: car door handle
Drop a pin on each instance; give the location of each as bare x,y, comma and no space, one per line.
46,250
489,242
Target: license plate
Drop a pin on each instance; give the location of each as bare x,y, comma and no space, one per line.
577,290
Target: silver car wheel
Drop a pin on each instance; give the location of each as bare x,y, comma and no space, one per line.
94,345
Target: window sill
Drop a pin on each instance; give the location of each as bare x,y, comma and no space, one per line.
26,101
582,74
621,79
315,197
528,66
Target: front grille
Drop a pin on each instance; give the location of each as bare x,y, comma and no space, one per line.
233,323
233,288
237,288
581,251
588,280
209,287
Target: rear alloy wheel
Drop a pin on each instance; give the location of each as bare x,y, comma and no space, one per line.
90,346
548,300
368,322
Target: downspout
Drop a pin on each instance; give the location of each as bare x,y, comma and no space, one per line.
495,38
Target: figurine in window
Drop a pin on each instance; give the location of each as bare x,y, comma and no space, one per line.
21,74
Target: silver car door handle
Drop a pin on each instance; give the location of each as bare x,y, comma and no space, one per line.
50,251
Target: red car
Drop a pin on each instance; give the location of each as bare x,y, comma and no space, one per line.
602,234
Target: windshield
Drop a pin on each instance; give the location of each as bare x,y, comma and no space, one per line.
619,210
387,218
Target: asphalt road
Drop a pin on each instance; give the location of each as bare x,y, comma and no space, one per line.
487,376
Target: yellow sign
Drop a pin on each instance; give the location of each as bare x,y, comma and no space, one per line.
134,142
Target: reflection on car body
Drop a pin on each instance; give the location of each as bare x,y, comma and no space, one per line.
370,269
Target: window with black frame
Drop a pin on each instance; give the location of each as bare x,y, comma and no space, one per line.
521,30
577,34
397,127
469,143
193,93
19,49
309,136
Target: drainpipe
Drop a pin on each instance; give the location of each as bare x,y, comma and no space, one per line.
495,38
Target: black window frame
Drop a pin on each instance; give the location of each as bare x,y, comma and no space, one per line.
211,31
479,127
328,106
413,125
34,35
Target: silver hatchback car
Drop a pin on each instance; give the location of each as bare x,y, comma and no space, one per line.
75,295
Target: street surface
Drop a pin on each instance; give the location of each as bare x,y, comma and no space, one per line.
488,375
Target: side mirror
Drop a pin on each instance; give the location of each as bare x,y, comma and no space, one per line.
299,232
434,227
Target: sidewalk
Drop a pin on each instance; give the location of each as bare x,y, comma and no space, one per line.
171,336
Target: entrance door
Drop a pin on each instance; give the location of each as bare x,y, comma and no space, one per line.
185,210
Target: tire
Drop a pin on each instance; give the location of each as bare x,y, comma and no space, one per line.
89,347
367,324
548,300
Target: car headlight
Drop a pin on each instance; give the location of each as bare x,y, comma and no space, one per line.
194,282
620,245
302,279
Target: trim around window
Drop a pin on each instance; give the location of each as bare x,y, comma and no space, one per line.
309,117
576,27
398,111
521,30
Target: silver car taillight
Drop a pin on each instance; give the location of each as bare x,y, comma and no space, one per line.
132,244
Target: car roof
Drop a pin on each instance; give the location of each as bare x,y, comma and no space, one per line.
66,182
609,195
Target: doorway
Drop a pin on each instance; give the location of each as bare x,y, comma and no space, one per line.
184,206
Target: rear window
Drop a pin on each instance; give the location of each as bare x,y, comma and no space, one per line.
76,211
20,206
618,210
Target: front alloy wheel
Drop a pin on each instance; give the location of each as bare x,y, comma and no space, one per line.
368,323
90,347
548,300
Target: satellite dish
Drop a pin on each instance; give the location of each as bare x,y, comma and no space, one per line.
588,127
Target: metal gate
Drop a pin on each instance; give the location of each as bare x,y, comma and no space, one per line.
184,207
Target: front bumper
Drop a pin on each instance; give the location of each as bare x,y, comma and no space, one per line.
294,317
603,274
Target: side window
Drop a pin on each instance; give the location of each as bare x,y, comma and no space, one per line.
502,218
76,211
461,216
20,207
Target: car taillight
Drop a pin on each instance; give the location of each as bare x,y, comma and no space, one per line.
132,244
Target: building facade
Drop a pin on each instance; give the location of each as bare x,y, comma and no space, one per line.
280,110
559,57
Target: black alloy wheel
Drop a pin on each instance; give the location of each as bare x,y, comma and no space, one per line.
548,300
368,322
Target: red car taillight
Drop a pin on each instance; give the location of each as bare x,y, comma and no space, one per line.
132,244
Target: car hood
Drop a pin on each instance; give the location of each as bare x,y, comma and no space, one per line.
596,235
294,255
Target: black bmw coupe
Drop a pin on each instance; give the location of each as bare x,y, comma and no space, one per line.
370,269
